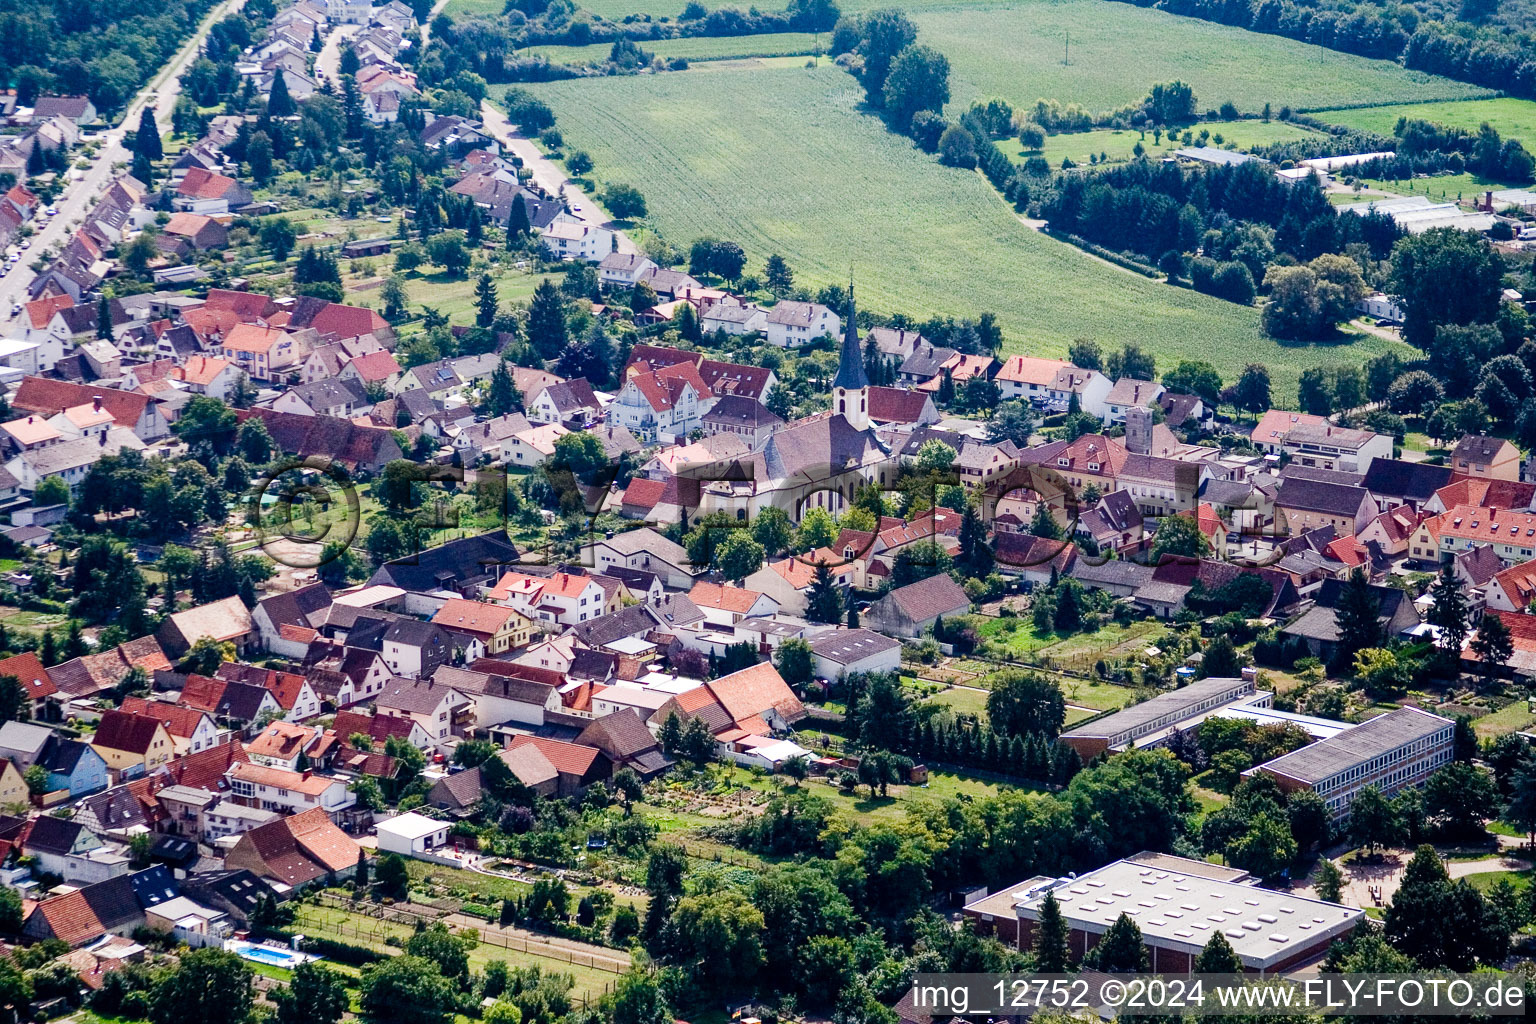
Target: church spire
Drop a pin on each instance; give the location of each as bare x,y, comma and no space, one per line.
850,388
850,366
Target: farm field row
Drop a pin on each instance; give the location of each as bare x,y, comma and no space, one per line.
1119,145
702,48
791,165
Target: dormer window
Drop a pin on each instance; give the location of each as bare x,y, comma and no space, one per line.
1063,462
1093,467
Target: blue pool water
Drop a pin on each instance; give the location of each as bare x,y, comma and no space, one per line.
270,955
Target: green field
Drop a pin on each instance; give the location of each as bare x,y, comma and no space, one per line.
791,165
474,8
1120,145
771,44
1118,52
1441,187
1513,118
451,296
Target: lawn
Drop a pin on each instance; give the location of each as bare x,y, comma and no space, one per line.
1117,146
334,923
1091,693
1448,188
963,701
1513,118
1486,880
457,9
694,48
1513,718
791,166
1015,635
452,296
941,785
1118,52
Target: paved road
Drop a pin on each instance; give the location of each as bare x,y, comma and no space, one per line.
548,175
81,194
328,61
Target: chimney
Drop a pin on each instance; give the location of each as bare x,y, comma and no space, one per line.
96,402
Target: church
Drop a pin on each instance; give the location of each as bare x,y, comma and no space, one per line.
817,462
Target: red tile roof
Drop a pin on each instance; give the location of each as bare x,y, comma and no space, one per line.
724,597
71,918
51,397
568,758
205,769
122,730
249,305
29,671
348,321
896,405
204,184
41,311
643,494
473,616
374,367
179,721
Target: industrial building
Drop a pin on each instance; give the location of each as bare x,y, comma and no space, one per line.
1178,904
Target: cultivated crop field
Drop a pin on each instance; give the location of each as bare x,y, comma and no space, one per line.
782,160
1118,146
1513,118
1119,52
702,48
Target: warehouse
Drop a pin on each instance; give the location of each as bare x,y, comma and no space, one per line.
1178,904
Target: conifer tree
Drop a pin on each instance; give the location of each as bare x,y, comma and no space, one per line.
1052,938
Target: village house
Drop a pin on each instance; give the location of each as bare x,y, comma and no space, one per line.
132,744
442,712
288,792
496,628
190,730
792,324
1488,458
296,850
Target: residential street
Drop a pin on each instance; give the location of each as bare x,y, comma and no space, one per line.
81,194
328,61
547,174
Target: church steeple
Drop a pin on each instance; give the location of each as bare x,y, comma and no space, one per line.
850,388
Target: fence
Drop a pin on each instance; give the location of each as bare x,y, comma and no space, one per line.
618,963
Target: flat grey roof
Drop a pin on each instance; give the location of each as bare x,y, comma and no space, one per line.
1177,904
1326,758
846,646
1158,707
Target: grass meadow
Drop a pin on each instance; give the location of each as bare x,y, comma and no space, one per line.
1513,118
1119,145
784,161
1118,52
701,48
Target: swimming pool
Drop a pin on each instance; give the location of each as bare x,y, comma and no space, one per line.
273,955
